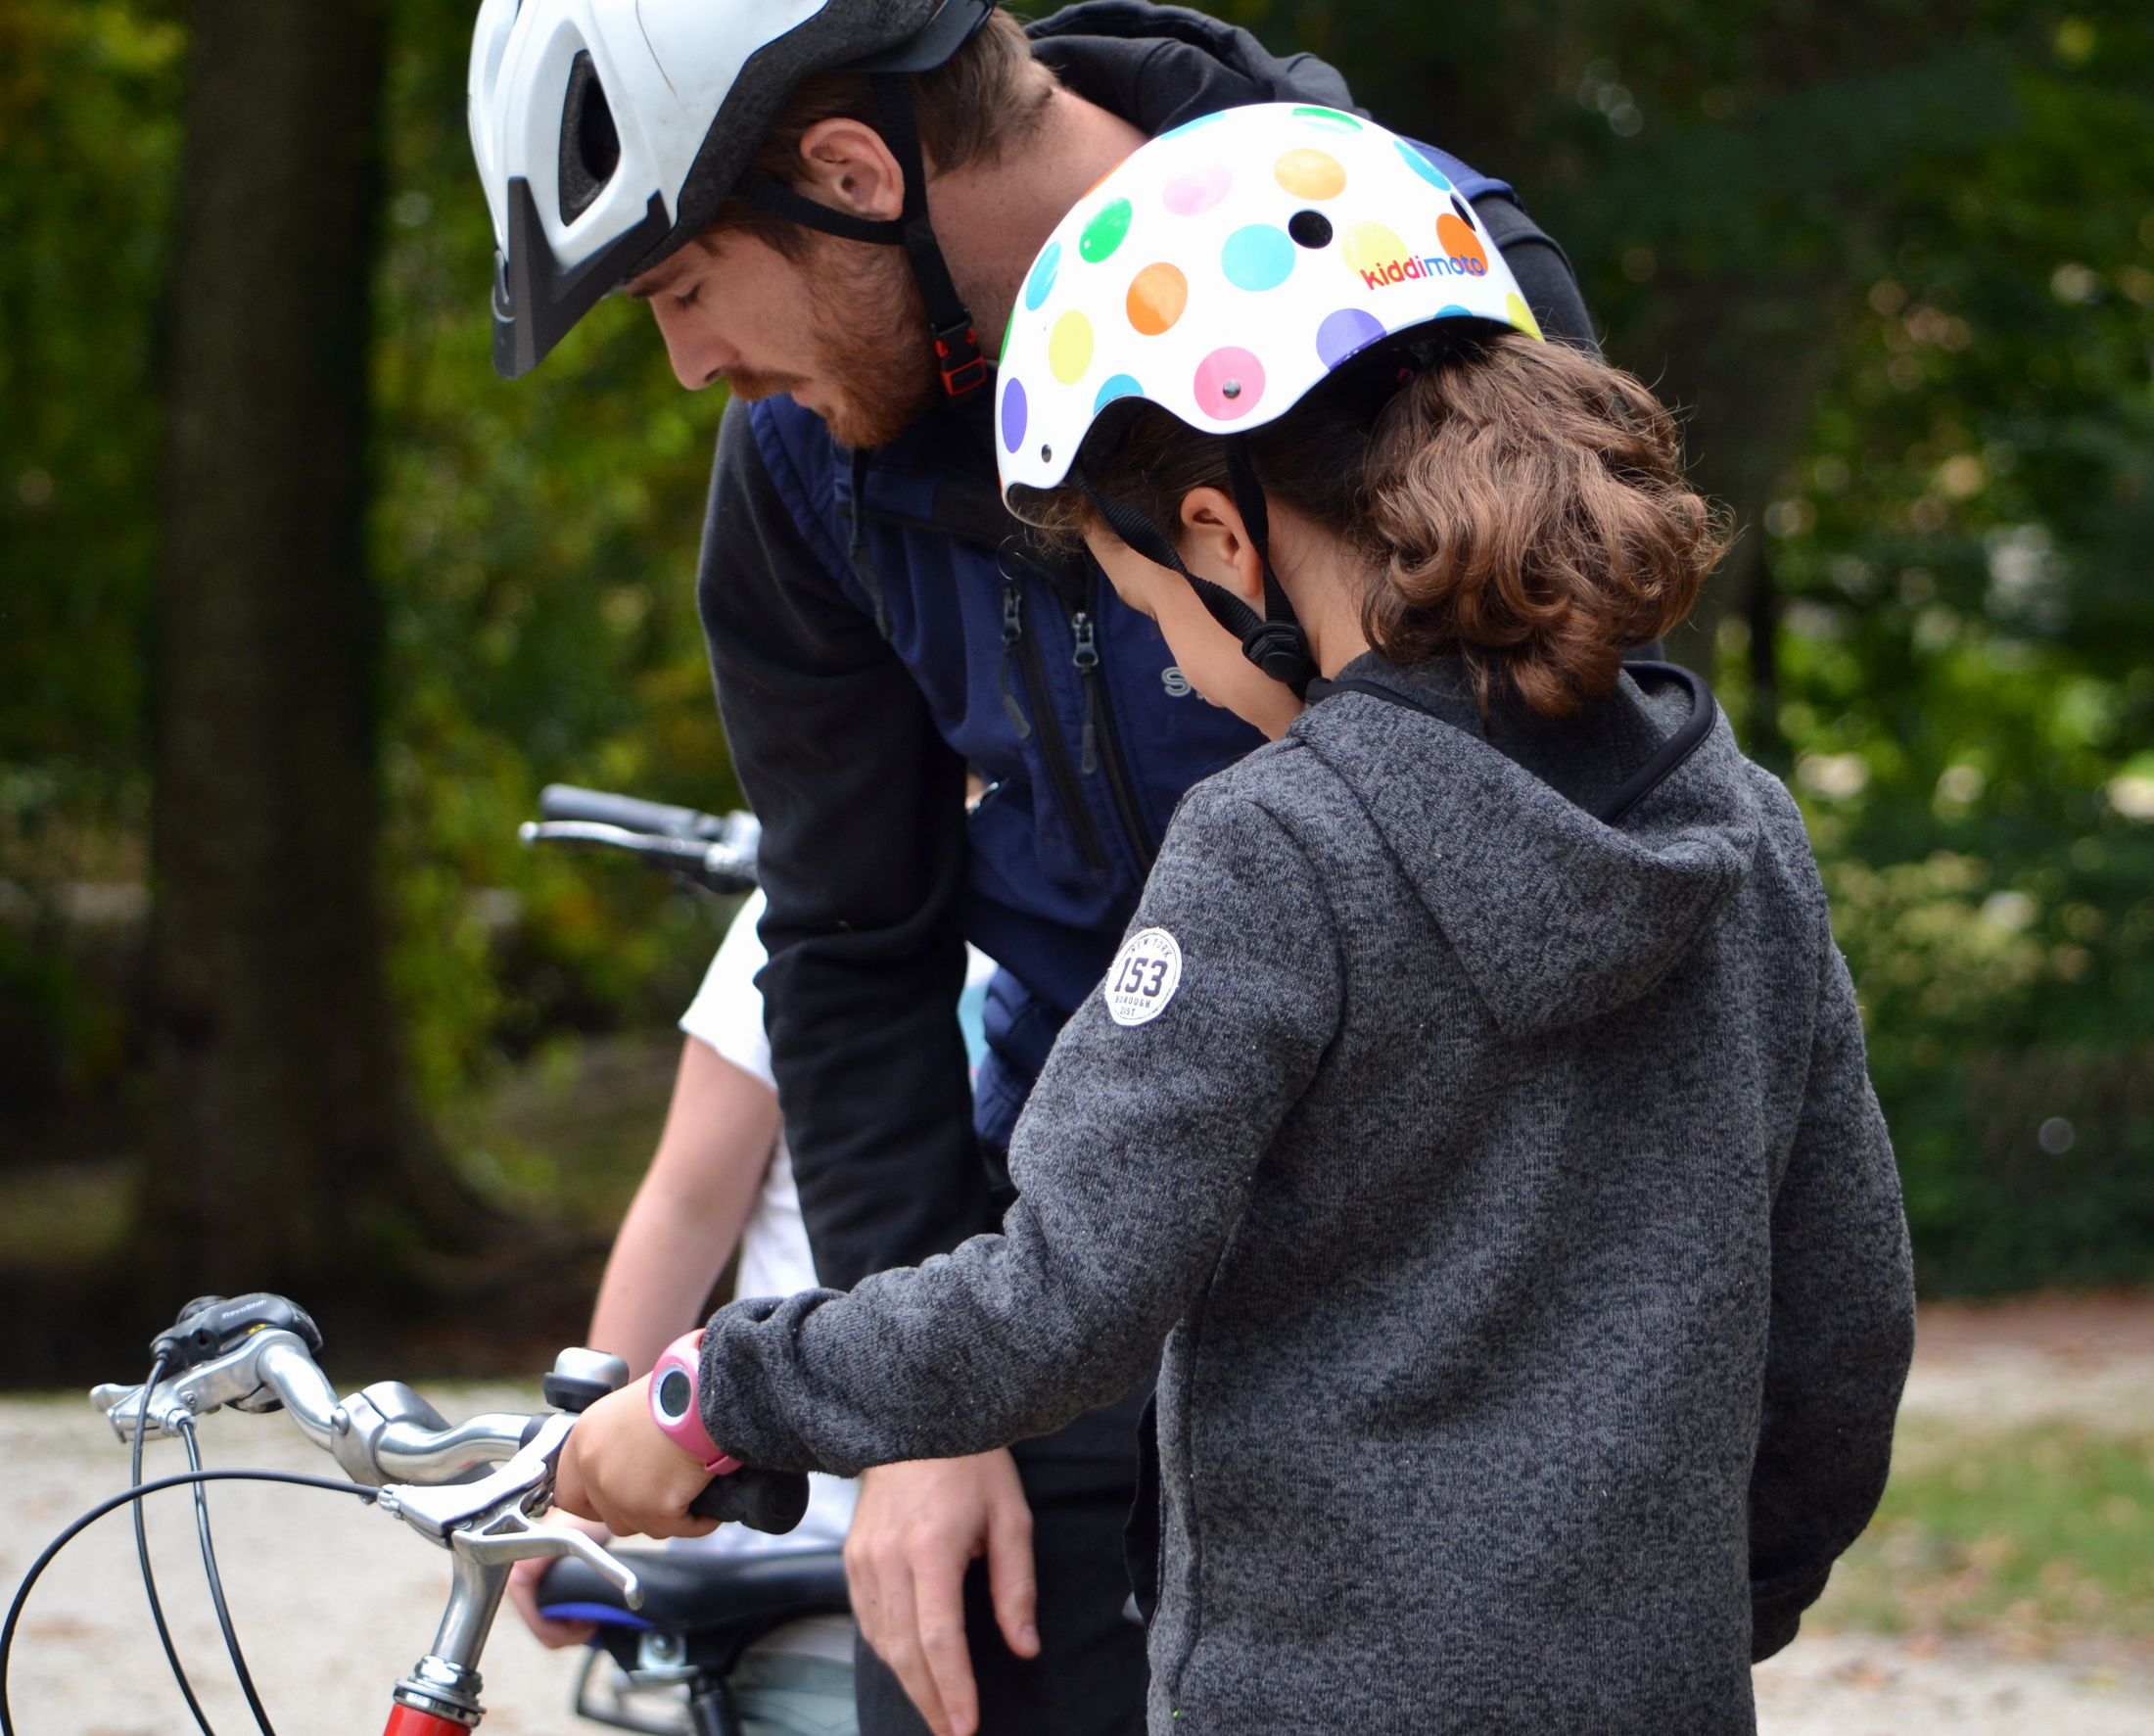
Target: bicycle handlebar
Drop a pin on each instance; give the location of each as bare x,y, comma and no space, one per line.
565,801
716,851
386,1433
773,1501
257,1353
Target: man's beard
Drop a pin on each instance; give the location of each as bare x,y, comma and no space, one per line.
871,345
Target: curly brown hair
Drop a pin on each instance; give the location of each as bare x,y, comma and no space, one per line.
1520,505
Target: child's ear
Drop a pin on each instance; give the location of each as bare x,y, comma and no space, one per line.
1215,544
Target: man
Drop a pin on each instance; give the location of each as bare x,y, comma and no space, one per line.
832,209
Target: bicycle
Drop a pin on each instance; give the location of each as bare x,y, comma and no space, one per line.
473,1488
670,1622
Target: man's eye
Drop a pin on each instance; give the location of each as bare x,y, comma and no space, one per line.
687,297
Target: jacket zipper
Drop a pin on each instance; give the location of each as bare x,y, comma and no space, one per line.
1196,1325
1103,744
1026,650
1013,629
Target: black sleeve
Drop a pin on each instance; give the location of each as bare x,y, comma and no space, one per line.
1544,271
862,804
1842,1331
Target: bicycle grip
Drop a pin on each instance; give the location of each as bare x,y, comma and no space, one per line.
564,801
771,1501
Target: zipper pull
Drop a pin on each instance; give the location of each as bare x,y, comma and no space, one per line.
1086,657
1014,620
1013,629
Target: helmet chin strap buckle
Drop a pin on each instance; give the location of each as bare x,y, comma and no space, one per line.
1275,643
1281,649
959,359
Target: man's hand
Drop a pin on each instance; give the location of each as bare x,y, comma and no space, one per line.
917,1528
619,1469
523,1592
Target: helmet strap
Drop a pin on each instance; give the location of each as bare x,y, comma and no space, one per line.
1274,641
957,355
1283,653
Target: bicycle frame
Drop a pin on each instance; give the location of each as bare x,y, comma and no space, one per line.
406,1720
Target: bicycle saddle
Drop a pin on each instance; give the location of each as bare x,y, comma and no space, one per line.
722,1604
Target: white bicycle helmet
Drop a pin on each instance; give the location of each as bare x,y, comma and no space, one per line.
609,132
1222,272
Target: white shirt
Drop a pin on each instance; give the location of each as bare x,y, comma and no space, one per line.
726,1014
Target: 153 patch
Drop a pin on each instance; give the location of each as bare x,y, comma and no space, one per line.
1144,977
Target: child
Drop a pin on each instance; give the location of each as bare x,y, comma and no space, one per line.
1477,1112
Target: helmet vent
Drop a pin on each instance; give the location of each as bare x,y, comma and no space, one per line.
1310,228
590,147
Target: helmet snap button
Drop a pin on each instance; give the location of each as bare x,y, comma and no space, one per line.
1232,389
1310,228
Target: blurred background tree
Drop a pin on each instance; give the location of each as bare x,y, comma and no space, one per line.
1897,259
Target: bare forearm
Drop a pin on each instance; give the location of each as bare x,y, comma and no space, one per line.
688,1215
658,1279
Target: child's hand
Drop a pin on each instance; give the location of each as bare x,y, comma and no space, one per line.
616,1467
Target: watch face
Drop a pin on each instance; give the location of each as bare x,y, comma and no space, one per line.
675,1394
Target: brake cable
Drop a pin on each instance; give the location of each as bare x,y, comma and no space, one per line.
142,1555
114,1504
216,1582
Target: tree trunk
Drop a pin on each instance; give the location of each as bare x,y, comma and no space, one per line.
281,1127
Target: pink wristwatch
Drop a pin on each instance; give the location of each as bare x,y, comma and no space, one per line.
673,1406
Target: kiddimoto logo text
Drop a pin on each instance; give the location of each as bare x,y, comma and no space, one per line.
1428,266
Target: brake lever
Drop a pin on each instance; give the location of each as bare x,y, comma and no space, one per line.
488,1522
524,1483
236,1378
510,1536
487,1528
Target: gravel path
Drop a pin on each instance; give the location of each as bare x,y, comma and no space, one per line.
334,1601
1861,1685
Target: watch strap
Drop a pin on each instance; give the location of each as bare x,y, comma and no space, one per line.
677,1403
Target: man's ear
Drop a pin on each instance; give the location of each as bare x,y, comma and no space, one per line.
1215,544
849,167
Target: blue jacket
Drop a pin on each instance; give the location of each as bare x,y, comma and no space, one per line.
877,622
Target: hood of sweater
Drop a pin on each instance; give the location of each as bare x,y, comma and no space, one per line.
1556,916
1159,66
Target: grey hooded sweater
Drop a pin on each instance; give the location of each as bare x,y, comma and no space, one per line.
1508,1194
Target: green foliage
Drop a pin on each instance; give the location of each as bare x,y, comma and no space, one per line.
89,104
2040,1535
1964,672
536,543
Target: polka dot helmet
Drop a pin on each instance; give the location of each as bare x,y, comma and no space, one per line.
1225,268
